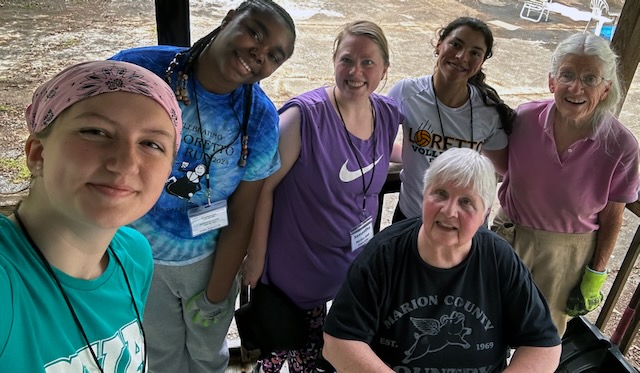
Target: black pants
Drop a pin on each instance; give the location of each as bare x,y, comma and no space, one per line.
323,366
398,215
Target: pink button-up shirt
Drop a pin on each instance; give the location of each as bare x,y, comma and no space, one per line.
565,192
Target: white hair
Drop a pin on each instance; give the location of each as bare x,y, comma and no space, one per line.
466,168
587,44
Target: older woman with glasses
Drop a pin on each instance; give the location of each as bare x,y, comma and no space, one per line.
572,167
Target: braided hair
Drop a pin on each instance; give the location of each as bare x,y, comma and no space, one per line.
489,95
187,58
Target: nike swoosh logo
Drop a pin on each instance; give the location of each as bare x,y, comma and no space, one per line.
347,176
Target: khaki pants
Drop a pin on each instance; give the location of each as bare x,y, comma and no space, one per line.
556,260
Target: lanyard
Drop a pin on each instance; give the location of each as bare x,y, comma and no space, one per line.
433,85
365,188
66,298
244,125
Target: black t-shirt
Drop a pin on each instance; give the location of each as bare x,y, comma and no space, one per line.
464,318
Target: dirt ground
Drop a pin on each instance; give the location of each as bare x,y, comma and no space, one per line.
39,37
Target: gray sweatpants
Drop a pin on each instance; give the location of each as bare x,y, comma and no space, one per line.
175,344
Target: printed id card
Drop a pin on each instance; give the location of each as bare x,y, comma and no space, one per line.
207,218
361,233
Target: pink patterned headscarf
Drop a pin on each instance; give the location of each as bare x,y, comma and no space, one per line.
88,79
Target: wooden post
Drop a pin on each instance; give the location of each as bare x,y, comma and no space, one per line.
621,278
172,20
626,43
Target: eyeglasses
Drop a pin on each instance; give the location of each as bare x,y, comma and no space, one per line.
588,80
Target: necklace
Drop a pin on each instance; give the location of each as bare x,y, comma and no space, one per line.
48,268
433,85
244,125
365,187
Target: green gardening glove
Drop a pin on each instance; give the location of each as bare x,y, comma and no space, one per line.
587,296
205,312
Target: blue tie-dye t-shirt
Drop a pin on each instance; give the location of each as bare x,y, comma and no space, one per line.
211,138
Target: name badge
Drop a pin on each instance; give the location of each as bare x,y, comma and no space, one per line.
207,218
361,233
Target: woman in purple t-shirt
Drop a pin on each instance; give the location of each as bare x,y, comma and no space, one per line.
317,212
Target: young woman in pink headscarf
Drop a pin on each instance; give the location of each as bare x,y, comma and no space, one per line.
73,280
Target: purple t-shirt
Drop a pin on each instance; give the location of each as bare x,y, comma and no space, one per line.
320,199
564,193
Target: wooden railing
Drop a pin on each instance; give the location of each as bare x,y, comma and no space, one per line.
629,331
8,202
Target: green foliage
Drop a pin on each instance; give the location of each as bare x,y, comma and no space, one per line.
15,169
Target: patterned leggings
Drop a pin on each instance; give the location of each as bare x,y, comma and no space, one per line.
304,359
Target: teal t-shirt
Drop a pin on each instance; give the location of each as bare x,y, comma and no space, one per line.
37,330
211,147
